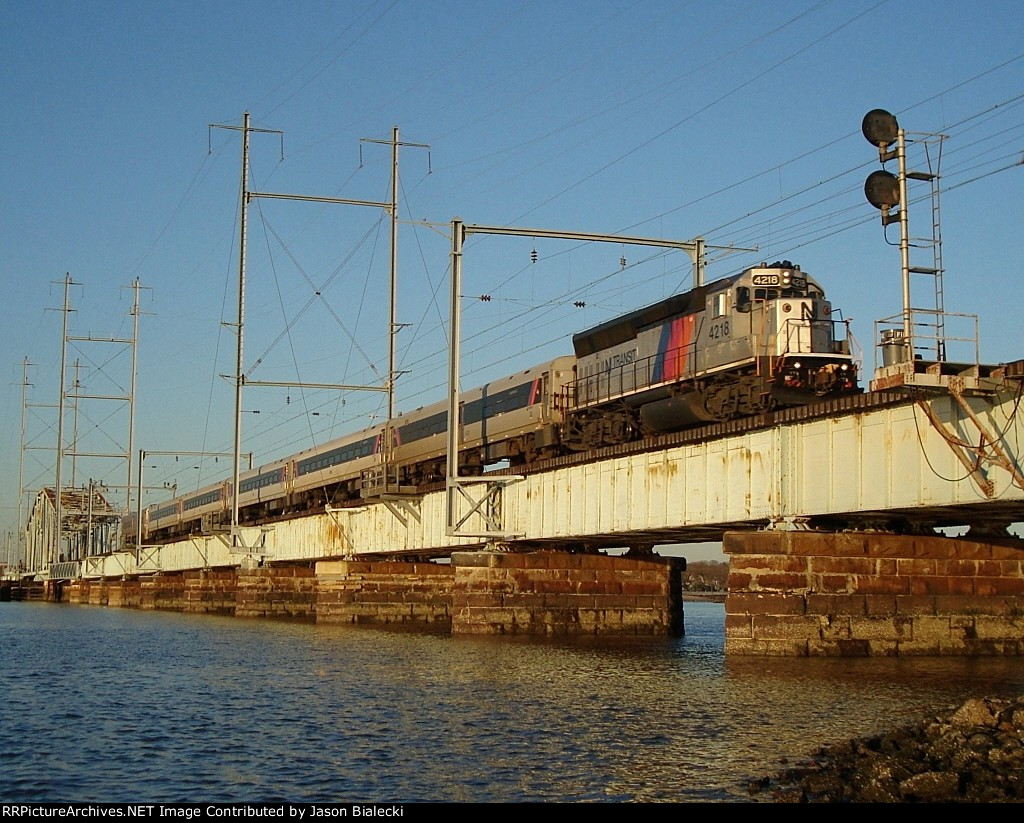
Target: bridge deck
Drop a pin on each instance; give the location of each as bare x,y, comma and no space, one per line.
869,462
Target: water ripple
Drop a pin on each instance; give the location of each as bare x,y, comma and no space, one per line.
111,705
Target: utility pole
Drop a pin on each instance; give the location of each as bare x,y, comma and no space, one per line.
453,483
143,454
74,451
239,376
237,541
22,543
36,550
131,395
394,326
119,397
58,503
239,362
75,387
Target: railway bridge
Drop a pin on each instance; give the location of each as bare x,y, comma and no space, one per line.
834,517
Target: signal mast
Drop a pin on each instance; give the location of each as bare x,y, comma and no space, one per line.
918,333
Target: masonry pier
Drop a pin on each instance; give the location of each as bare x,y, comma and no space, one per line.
803,593
790,593
23,589
536,593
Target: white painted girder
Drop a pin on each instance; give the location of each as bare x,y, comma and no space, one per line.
884,461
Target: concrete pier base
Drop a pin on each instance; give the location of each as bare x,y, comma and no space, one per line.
870,594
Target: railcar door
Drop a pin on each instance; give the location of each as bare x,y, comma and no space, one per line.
822,329
719,328
762,323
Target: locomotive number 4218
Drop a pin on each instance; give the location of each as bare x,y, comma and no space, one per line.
719,330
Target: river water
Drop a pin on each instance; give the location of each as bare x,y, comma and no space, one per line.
125,706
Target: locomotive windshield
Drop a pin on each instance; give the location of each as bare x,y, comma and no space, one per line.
775,294
773,287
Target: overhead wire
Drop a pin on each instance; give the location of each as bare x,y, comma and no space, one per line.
320,53
519,317
284,313
551,78
388,103
668,130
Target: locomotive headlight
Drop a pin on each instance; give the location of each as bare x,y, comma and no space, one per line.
786,278
797,364
786,308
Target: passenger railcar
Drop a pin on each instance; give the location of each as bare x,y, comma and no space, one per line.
334,470
516,418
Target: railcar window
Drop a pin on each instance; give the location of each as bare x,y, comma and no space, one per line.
202,500
340,455
743,299
435,424
260,481
500,402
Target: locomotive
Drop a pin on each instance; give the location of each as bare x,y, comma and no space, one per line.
743,345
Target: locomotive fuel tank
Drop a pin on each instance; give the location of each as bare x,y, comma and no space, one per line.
680,411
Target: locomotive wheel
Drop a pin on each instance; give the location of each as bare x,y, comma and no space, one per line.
722,400
727,399
610,426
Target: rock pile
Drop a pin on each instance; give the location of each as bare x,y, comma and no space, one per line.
970,754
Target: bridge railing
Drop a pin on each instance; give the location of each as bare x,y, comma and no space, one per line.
937,336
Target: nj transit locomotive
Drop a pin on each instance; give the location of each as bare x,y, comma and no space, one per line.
750,343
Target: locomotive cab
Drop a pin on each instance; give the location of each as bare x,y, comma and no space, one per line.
796,336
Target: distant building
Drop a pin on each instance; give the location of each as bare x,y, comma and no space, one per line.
706,576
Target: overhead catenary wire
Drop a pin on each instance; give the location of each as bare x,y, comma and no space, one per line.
807,235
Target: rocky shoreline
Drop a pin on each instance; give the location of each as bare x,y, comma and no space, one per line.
973,753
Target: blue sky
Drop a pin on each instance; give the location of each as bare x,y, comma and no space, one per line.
736,121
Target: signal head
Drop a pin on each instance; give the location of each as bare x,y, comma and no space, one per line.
882,189
880,128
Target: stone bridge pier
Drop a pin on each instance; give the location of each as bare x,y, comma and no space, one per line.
803,593
559,593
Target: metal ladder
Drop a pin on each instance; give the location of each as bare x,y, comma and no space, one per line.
936,328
